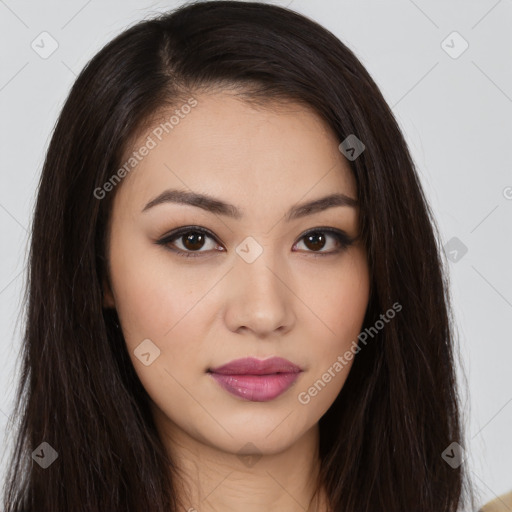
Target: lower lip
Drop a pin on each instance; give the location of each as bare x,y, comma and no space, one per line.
256,388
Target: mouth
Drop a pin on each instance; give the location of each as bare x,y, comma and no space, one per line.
256,380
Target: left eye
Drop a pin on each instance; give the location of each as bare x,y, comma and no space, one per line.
192,239
316,240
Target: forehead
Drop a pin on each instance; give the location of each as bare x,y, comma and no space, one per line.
226,147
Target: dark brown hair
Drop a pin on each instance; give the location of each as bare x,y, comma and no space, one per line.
382,439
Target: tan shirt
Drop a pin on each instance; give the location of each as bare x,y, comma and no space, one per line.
501,504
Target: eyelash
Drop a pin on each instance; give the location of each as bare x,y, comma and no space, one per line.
342,238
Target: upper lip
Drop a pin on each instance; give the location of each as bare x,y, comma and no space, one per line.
254,366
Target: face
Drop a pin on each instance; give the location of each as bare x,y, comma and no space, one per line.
259,278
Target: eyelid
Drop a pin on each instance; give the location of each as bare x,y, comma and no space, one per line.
179,232
343,239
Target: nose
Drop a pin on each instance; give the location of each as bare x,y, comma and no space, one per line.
260,297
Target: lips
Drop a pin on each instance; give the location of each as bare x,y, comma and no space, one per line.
255,379
253,366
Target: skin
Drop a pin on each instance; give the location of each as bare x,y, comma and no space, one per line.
205,311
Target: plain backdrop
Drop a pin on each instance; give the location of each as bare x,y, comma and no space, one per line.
445,69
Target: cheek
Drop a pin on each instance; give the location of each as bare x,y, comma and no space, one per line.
339,312
162,314
340,300
161,302
168,316
152,295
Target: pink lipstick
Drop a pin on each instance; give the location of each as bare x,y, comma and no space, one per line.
255,379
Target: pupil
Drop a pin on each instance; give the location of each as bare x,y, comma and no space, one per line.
193,241
315,245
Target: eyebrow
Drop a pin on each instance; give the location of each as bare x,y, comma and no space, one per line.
219,207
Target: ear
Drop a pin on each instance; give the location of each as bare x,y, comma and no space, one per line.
108,296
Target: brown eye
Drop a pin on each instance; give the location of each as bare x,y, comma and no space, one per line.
189,241
193,241
314,241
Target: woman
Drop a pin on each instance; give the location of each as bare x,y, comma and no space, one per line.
236,297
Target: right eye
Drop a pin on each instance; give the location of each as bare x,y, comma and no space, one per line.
191,238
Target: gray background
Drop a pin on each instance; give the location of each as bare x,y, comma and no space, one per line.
455,111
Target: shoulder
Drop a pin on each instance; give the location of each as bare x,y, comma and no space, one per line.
502,503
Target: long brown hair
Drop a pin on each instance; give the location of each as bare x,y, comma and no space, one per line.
381,442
